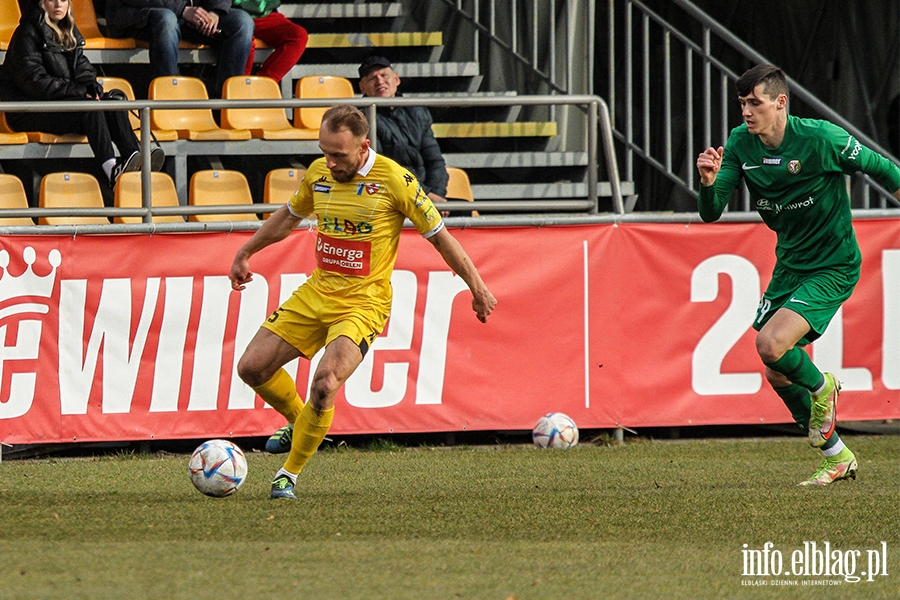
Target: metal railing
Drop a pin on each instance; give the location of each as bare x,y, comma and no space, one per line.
661,118
538,34
597,123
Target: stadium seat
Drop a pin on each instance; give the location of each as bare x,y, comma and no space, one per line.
38,136
8,136
120,83
162,192
319,86
191,124
280,186
71,190
264,123
458,187
215,188
12,195
86,20
9,20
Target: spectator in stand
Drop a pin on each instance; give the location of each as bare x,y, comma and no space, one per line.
404,132
270,26
164,23
45,61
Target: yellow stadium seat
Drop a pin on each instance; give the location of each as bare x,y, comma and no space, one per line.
162,193
215,188
86,20
8,136
280,186
120,83
9,20
264,123
71,190
12,195
459,187
38,136
319,86
191,124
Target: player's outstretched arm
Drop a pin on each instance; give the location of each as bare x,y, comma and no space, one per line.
276,228
483,302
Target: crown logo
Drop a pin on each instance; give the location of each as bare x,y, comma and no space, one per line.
27,284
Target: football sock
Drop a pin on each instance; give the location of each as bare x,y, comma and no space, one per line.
288,474
280,393
796,398
796,366
309,431
833,446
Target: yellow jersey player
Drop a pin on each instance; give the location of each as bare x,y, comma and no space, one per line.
361,200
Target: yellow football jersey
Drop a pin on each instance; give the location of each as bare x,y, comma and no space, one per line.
359,226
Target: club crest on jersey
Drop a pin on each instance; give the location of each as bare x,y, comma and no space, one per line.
370,188
794,167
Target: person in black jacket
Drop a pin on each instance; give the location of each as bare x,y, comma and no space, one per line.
164,23
404,132
45,61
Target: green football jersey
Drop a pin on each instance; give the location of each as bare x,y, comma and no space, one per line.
799,189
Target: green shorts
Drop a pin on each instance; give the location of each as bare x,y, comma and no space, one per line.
816,297
309,321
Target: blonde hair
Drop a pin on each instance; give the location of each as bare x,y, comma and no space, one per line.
64,30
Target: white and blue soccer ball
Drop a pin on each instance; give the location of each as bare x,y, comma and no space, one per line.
217,468
555,430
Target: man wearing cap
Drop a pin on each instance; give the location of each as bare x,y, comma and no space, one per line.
404,132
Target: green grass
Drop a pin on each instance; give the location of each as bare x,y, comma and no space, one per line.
650,519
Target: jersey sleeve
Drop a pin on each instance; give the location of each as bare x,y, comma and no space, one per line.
852,156
301,203
413,202
713,199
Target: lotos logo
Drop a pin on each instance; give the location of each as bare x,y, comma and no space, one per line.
17,299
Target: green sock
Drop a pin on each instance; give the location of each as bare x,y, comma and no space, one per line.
796,366
796,398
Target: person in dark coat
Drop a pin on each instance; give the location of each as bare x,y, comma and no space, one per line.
164,23
45,61
404,132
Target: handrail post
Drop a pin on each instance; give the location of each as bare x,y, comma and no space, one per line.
146,195
612,168
593,162
371,116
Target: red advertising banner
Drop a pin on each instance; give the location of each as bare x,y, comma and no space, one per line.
135,337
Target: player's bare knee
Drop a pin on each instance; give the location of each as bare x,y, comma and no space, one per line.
324,386
768,348
250,372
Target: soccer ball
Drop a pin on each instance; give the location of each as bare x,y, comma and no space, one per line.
217,468
555,430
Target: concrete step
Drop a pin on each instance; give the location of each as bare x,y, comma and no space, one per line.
370,40
361,10
519,191
515,160
543,129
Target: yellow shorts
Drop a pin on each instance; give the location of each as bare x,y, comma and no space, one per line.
309,321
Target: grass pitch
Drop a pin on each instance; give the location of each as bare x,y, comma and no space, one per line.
647,519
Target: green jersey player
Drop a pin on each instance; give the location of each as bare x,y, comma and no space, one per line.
794,170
